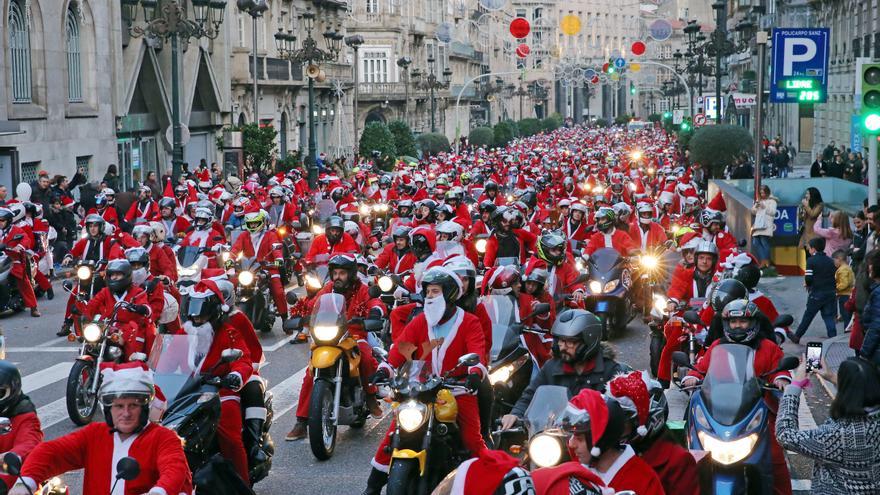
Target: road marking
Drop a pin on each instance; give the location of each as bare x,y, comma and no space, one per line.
802,485
287,393
278,345
42,349
53,413
53,342
48,376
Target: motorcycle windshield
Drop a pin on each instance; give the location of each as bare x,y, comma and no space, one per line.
327,312
325,209
603,260
501,314
507,260
175,359
547,406
188,256
730,389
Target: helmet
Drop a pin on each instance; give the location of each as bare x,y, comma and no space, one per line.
726,291
100,201
578,418
568,182
130,382
446,210
749,275
405,203
167,203
255,222
7,215
96,220
708,217
446,280
204,304
431,205
706,247
159,233
346,262
31,209
577,206
538,276
351,228
181,190
17,210
530,199
227,289
143,229
401,231
453,194
138,255
454,231
502,279
335,222
421,247
122,267
240,205
385,181
621,209
277,192
490,186
605,219
578,324
740,309
202,219
550,241
110,194
10,386
465,177
487,205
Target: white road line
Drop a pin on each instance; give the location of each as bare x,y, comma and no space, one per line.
53,342
42,349
40,379
286,394
278,345
802,485
53,413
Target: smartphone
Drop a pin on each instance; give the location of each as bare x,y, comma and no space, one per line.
814,355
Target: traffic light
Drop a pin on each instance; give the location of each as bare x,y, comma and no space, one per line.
632,88
685,126
667,115
871,98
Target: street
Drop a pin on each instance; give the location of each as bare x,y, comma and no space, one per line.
45,360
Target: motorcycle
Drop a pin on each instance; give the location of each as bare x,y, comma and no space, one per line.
191,260
12,466
14,300
252,294
426,443
338,396
685,316
101,342
540,430
729,418
86,284
608,291
193,412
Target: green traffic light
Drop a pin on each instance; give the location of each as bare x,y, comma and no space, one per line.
667,115
685,126
872,122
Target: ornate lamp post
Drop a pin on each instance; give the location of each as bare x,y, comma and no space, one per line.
254,8
170,20
355,43
311,55
432,84
404,63
521,92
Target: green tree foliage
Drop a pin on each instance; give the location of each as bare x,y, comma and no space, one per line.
376,138
601,123
432,143
551,123
404,140
621,119
259,145
715,146
654,117
291,161
528,127
504,133
482,137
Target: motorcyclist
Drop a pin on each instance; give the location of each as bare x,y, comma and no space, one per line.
41,254
450,241
490,192
534,284
580,360
125,395
104,206
494,472
203,235
483,224
16,242
181,198
333,241
648,234
507,241
160,264
441,319
164,307
175,225
342,269
575,224
385,194
713,231
694,282
263,245
159,237
562,273
397,257
608,235
279,209
23,432
144,209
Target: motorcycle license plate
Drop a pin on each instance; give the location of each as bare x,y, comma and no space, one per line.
602,306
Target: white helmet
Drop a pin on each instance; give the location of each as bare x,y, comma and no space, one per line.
351,228
452,229
17,210
158,232
126,382
142,229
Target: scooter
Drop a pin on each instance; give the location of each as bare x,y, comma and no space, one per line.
608,291
253,296
729,418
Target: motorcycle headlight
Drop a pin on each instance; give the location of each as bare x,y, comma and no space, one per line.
729,452
501,375
246,277
364,210
317,229
84,273
579,265
611,285
386,284
313,282
114,352
596,287
225,256
545,450
325,333
282,231
411,415
649,262
660,303
92,332
480,245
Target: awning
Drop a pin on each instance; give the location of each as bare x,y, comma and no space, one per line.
8,128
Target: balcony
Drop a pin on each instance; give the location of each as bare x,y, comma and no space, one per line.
464,50
390,91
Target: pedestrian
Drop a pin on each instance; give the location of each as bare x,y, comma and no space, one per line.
153,184
3,192
809,211
845,449
111,178
763,226
870,317
41,190
844,281
838,236
819,281
860,234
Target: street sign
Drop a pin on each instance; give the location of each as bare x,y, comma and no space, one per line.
677,116
620,63
855,133
710,106
786,221
700,119
184,134
799,71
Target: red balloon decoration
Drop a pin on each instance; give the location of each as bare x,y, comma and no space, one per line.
605,67
523,50
595,80
638,48
520,27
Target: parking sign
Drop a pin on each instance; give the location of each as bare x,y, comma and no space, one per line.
800,65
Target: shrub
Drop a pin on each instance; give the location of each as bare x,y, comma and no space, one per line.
432,143
404,141
529,127
377,138
601,123
504,133
715,146
654,117
482,137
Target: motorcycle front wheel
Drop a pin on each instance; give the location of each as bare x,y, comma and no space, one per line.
322,430
81,402
403,477
657,343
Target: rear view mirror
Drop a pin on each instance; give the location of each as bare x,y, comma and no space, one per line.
373,325
292,298
127,469
5,425
374,291
230,355
380,354
12,463
681,359
788,363
541,309
783,320
292,324
692,317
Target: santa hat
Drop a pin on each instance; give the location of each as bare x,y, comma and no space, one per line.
208,287
666,197
66,202
592,403
717,203
483,474
631,391
168,192
133,376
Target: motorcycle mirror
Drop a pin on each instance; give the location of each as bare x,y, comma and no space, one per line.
292,298
230,355
681,359
788,363
374,291
5,425
469,359
380,354
692,317
18,237
372,325
292,324
541,309
128,468
372,270
138,356
12,463
783,320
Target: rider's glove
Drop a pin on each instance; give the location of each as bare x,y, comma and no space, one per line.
232,381
472,382
141,309
375,314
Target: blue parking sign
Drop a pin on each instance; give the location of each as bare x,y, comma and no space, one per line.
800,65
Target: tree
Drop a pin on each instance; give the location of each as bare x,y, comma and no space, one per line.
621,119
551,123
504,133
654,117
259,146
432,143
601,123
529,127
715,146
482,137
378,142
404,140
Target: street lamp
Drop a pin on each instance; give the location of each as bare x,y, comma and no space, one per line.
311,55
432,83
404,63
254,8
170,20
521,92
355,42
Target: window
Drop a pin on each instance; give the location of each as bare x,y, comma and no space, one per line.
241,34
372,6
375,66
521,12
84,162
74,58
20,53
29,170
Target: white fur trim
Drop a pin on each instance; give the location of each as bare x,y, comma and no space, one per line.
624,457
595,452
255,413
438,354
120,450
230,397
641,430
458,483
483,371
381,467
224,308
157,490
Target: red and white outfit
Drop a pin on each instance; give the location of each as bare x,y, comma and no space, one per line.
630,472
17,250
142,211
266,248
320,247
617,239
138,332
25,434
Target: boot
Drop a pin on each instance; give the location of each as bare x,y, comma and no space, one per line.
35,313
373,406
298,432
253,433
376,482
50,293
65,328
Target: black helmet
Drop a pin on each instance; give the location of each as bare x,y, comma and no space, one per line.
335,222
530,199
446,210
95,219
577,420
167,203
10,386
138,255
348,263
487,205
749,275
741,309
550,241
490,186
120,285
401,231
421,247
431,205
578,324
726,291
442,277
204,305
538,276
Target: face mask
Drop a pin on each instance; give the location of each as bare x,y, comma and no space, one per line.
139,276
203,336
434,309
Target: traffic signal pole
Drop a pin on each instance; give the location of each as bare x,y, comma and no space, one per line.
761,39
872,170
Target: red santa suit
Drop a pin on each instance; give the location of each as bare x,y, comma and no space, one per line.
109,215
390,261
18,242
556,480
648,238
158,451
160,264
174,227
268,250
138,332
561,279
25,434
617,239
384,195
321,248
629,472
142,211
466,336
725,242
674,465
575,232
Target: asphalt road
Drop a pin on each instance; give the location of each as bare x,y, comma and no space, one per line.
45,361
